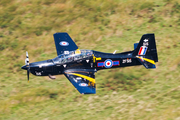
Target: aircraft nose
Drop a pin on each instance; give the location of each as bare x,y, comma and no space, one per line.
24,67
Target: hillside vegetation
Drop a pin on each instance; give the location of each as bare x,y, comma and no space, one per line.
127,94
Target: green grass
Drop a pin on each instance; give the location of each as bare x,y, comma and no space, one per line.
126,93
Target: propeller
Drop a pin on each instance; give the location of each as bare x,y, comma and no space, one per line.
27,64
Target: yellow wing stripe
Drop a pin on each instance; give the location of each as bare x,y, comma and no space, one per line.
149,60
83,76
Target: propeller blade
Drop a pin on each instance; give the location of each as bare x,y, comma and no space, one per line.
28,74
26,54
27,59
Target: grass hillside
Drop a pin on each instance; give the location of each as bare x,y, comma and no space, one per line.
132,93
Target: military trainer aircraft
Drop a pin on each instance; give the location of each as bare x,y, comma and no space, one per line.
79,66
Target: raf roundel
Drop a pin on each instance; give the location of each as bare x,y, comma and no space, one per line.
64,43
83,84
108,63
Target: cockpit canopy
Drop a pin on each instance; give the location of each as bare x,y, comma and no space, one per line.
72,56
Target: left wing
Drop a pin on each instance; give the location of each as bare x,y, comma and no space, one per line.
82,79
64,43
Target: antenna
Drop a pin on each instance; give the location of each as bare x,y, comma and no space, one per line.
115,51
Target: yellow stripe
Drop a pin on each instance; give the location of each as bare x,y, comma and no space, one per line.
83,76
149,60
99,58
77,51
94,58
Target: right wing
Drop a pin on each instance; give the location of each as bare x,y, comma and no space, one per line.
82,79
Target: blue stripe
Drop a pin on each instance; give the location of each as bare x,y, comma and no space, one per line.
100,64
144,50
115,62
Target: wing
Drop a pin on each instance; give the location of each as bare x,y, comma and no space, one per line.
64,43
82,79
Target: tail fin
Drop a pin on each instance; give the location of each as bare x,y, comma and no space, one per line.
146,51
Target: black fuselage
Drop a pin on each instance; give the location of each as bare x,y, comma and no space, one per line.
95,60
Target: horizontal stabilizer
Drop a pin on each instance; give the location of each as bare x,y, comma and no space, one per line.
135,45
147,62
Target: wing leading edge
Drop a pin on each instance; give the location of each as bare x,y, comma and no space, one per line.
82,79
64,43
